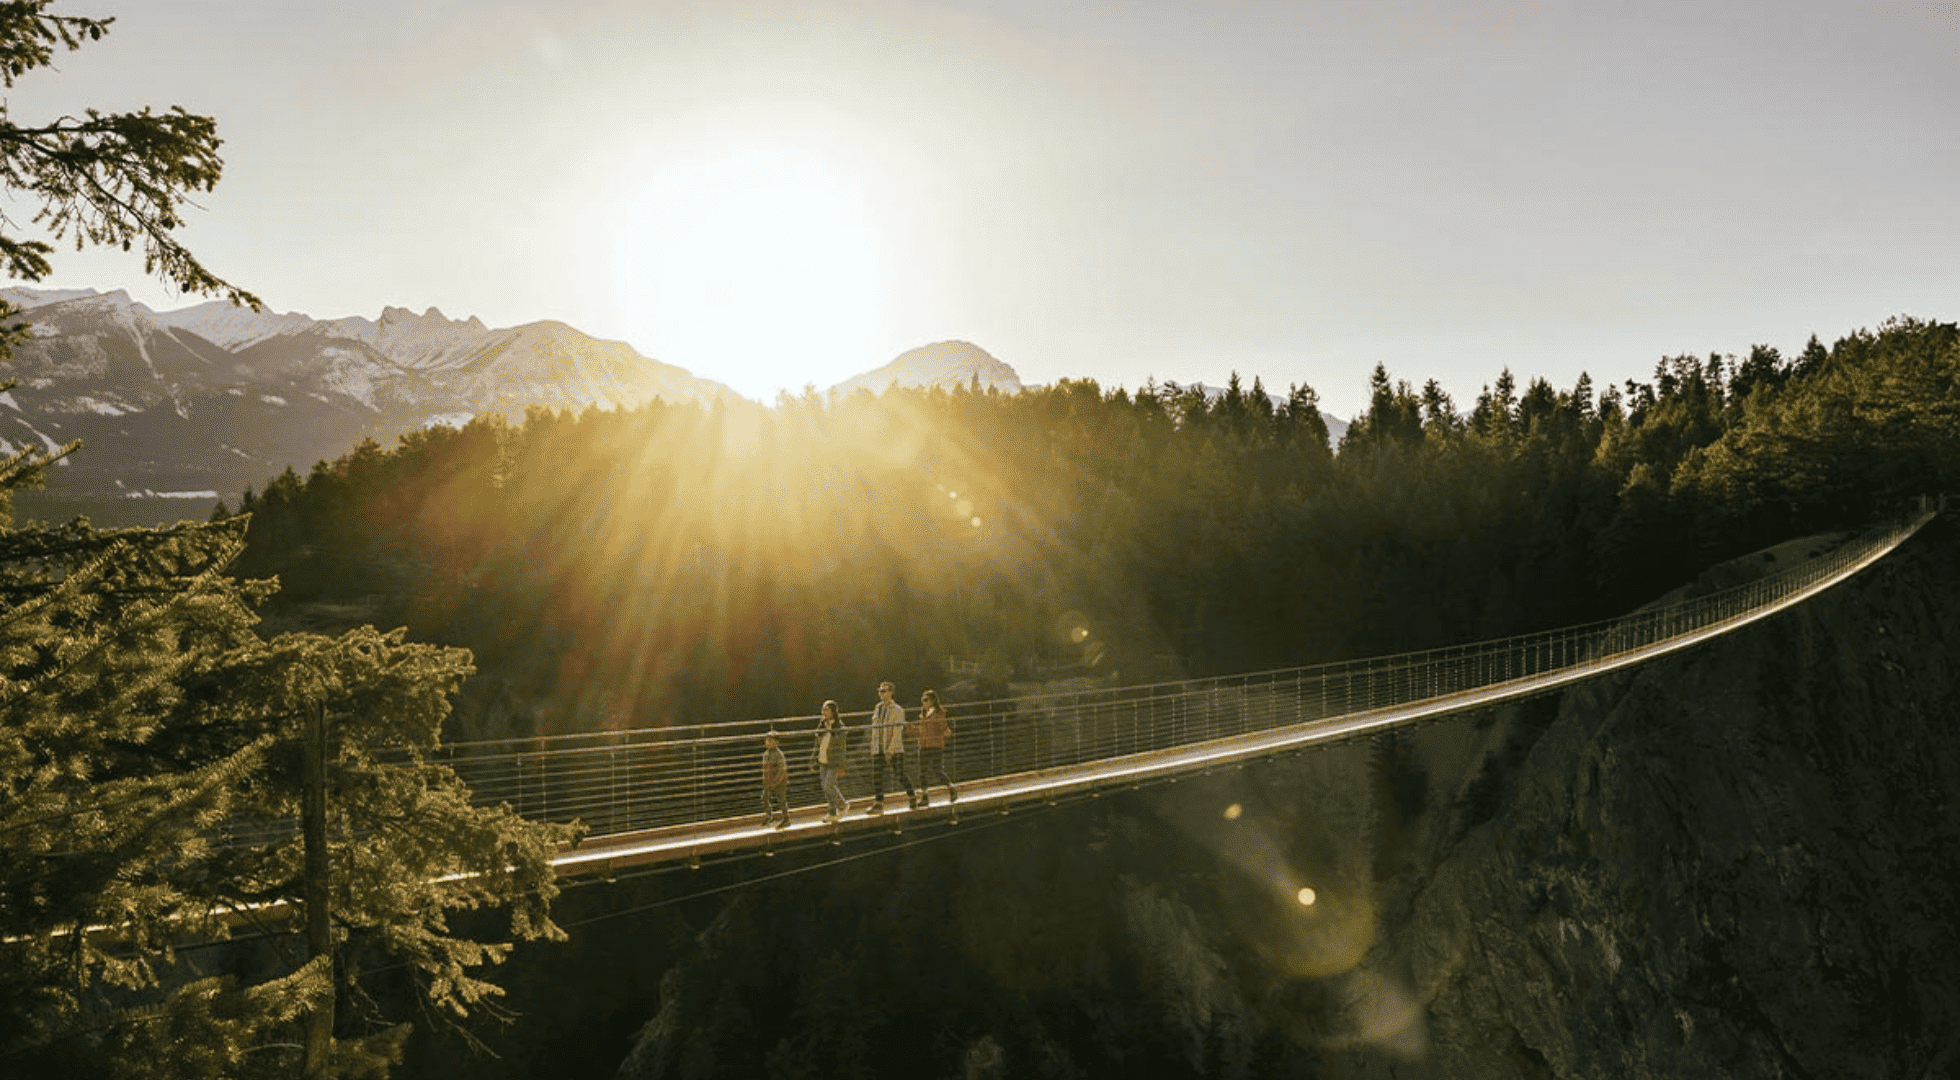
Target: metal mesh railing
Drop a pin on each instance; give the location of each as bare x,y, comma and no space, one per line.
651,778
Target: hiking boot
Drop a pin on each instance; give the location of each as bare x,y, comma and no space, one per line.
874,808
783,824
925,801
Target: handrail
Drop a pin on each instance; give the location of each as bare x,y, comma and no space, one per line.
698,781
663,778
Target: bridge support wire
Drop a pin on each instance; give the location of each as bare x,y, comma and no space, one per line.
684,793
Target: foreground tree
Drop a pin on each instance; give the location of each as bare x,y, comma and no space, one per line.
150,750
149,744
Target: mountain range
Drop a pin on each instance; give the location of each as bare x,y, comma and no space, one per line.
178,409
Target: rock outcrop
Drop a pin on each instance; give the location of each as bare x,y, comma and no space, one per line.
1741,862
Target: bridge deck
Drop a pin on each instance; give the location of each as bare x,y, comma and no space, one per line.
1251,725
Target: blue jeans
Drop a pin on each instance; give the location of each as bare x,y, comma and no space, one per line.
831,792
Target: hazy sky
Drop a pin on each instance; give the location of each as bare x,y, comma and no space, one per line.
788,192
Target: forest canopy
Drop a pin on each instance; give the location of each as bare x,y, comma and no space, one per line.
678,562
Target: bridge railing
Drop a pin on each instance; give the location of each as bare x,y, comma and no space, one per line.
656,777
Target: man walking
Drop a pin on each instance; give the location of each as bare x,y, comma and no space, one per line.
888,748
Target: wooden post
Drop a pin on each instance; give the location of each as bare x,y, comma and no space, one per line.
319,939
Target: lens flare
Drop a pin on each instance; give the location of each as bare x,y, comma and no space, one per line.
1233,811
1307,897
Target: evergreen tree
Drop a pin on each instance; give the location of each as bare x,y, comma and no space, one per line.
140,718
1304,427
149,750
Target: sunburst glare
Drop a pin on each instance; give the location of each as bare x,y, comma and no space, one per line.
758,259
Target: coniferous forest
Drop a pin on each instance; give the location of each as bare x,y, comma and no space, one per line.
680,563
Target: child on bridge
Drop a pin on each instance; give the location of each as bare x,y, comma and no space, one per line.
775,782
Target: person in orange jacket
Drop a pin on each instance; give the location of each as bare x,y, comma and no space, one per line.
931,729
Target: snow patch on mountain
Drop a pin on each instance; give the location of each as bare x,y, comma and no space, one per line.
230,326
47,443
96,405
25,298
411,340
350,372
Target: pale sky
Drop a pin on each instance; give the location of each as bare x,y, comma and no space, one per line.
782,192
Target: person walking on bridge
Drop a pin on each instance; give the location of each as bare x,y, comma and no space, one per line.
828,760
775,782
888,748
933,726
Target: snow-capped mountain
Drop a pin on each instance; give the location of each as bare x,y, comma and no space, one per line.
945,363
203,401
181,408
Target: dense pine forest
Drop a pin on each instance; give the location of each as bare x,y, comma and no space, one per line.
680,563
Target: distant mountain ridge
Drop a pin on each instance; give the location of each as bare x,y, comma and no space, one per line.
181,408
944,363
203,401
953,364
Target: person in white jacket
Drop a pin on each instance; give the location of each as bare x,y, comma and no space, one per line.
888,748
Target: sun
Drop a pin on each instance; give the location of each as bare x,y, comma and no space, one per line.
758,262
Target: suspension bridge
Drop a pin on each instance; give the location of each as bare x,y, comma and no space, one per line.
679,794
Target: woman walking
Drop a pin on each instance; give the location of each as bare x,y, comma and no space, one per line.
829,760
934,726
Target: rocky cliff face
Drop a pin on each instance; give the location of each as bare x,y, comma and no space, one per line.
1737,862
1742,862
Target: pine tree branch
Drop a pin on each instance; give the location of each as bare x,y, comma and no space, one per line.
116,178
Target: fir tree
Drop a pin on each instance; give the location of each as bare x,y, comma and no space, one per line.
149,753
149,737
